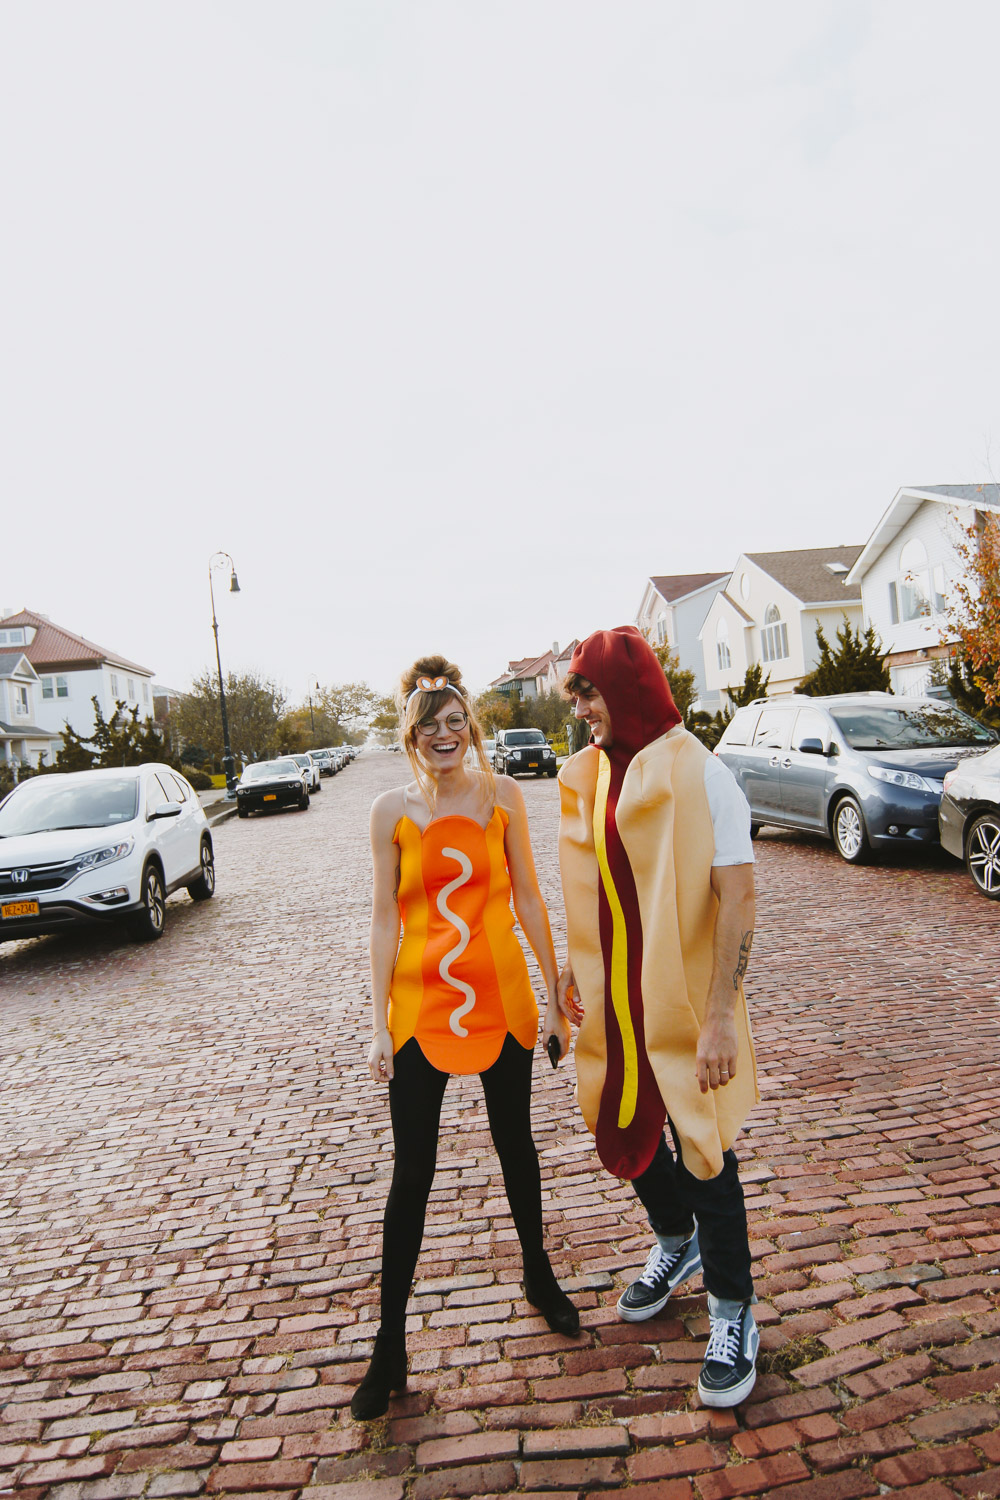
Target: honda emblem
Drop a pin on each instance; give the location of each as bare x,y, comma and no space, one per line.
19,877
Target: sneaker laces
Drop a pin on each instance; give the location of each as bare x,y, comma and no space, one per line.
723,1341
657,1265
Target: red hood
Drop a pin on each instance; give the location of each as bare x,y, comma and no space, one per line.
626,672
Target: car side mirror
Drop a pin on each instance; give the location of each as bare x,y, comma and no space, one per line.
170,810
812,747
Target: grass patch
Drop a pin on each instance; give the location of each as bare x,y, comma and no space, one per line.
796,1352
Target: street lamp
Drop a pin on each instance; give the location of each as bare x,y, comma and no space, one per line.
312,721
222,560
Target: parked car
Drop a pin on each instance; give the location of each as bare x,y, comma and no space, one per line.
310,770
522,751
322,761
271,784
969,819
865,769
85,847
490,747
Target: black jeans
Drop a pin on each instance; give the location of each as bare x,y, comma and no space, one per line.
673,1199
415,1095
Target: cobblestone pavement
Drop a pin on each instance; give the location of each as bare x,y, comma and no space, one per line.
195,1165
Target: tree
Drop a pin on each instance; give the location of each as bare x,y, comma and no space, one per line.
754,686
493,711
254,707
974,613
122,740
856,666
966,692
384,723
682,681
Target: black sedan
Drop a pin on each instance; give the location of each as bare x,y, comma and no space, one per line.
271,784
969,819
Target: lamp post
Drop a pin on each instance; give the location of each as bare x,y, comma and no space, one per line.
312,720
222,560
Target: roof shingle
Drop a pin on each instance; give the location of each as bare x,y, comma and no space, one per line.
55,647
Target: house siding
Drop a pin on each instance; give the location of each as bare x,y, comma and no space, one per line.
937,526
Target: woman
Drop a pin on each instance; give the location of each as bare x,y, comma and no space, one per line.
449,850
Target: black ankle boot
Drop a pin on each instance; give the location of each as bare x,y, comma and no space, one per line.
543,1291
386,1373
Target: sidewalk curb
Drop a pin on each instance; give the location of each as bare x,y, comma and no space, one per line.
226,810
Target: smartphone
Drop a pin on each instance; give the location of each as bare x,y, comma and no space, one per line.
553,1049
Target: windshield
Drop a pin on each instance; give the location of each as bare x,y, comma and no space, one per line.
49,802
920,727
265,769
525,737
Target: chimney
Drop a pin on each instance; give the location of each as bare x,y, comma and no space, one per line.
555,648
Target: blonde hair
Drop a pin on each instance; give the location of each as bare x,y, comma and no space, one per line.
416,703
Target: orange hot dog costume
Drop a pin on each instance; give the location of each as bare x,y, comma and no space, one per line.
460,982
636,846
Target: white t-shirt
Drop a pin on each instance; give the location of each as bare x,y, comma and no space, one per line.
730,815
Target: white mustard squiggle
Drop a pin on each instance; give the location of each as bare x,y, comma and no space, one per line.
444,967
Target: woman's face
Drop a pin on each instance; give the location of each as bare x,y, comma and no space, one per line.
444,747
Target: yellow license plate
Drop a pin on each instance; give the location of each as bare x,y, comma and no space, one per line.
270,797
19,909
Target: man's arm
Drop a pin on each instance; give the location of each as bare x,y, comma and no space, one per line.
717,1043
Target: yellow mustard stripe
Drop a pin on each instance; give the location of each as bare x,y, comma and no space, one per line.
619,952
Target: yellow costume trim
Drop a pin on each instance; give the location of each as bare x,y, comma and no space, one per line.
619,952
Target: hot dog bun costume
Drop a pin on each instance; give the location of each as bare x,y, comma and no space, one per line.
636,846
460,982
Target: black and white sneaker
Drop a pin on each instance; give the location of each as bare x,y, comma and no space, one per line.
730,1368
663,1273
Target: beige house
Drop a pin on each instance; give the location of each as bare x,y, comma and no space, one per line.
768,612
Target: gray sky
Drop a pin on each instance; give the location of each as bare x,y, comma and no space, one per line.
452,322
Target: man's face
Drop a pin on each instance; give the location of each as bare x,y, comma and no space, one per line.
591,707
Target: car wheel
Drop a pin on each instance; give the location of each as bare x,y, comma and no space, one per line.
318,787
754,830
304,801
243,812
982,854
204,887
849,833
553,772
148,922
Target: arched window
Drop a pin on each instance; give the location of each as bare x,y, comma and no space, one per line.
774,636
722,646
918,591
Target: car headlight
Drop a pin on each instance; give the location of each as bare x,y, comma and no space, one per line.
909,779
95,857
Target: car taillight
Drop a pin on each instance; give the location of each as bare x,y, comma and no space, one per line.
949,778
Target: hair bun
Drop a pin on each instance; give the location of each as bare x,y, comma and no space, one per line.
430,666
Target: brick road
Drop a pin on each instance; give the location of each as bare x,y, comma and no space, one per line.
195,1165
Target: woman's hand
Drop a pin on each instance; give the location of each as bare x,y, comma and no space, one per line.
380,1056
555,1024
568,1000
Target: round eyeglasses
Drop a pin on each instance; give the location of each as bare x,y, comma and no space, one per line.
455,722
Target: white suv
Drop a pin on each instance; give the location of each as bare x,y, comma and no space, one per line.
87,847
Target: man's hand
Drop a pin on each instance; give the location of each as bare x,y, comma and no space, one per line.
717,1050
567,997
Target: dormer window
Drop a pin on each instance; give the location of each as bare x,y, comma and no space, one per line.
918,591
722,651
838,569
12,637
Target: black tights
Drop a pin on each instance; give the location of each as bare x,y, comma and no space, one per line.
415,1095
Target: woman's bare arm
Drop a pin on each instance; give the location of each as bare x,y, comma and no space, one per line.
383,943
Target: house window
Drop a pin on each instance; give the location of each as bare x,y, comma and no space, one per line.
48,688
55,687
722,646
661,630
62,687
130,689
11,637
774,636
114,685
145,693
21,700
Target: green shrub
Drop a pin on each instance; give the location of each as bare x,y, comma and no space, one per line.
198,779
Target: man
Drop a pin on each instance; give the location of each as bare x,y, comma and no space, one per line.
657,870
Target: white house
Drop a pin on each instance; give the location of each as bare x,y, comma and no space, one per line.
672,613
908,570
70,672
768,612
21,738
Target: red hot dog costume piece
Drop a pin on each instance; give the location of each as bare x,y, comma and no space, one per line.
636,845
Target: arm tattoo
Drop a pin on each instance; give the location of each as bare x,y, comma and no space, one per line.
743,960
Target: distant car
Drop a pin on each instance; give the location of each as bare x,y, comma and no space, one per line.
86,847
969,819
271,784
521,752
310,771
863,769
490,748
322,761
